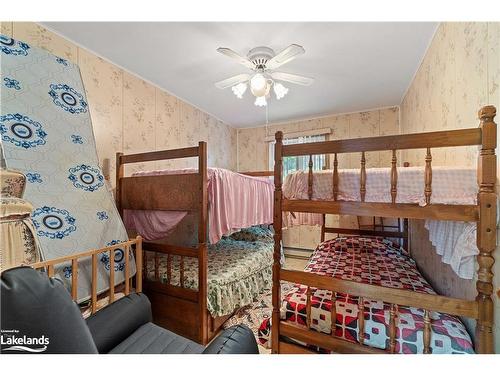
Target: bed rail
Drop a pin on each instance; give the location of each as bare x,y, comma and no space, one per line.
446,138
394,297
128,246
259,173
484,213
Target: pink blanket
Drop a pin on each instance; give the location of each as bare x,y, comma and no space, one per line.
235,201
450,185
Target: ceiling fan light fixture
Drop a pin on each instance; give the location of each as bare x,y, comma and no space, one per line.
263,62
260,101
258,85
279,90
239,89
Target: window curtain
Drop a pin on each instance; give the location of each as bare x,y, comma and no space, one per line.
295,163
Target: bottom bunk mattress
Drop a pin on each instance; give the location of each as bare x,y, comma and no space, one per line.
239,269
377,262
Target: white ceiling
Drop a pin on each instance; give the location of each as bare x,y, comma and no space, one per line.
356,66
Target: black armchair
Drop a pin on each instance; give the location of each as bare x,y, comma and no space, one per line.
38,315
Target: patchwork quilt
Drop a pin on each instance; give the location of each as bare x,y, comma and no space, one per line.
47,134
239,269
377,262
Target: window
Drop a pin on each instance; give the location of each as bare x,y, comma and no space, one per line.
295,163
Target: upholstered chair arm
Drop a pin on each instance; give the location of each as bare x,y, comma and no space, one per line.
114,323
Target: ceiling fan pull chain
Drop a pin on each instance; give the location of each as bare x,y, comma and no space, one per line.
267,119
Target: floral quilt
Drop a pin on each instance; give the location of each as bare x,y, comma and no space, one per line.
377,262
239,269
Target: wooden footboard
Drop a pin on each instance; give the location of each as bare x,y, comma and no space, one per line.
175,307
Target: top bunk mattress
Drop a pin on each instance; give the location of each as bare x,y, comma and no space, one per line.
450,185
235,201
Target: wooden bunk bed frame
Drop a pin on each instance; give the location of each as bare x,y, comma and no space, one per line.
175,307
484,213
130,283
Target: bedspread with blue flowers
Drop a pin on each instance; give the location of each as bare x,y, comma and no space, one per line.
47,134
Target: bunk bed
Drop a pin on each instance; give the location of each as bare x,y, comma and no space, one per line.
320,291
195,281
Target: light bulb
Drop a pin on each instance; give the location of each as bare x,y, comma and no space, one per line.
258,85
280,90
239,89
260,101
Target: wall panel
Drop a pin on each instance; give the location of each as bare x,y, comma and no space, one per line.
130,114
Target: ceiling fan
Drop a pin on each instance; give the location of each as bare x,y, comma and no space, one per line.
263,62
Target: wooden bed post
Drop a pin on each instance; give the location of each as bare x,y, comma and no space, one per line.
486,229
202,242
277,223
119,175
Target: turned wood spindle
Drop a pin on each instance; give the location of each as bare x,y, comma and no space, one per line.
127,270
157,266
94,284
394,177
182,272
139,262
169,269
392,328
111,275
50,270
310,178
145,264
362,182
277,225
74,279
335,184
333,311
323,228
308,307
361,320
428,176
427,332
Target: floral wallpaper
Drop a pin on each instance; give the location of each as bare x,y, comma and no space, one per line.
131,115
253,149
459,73
253,155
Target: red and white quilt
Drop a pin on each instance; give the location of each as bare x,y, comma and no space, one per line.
372,261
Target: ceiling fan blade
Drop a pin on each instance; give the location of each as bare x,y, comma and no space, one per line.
228,82
240,59
288,54
292,78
